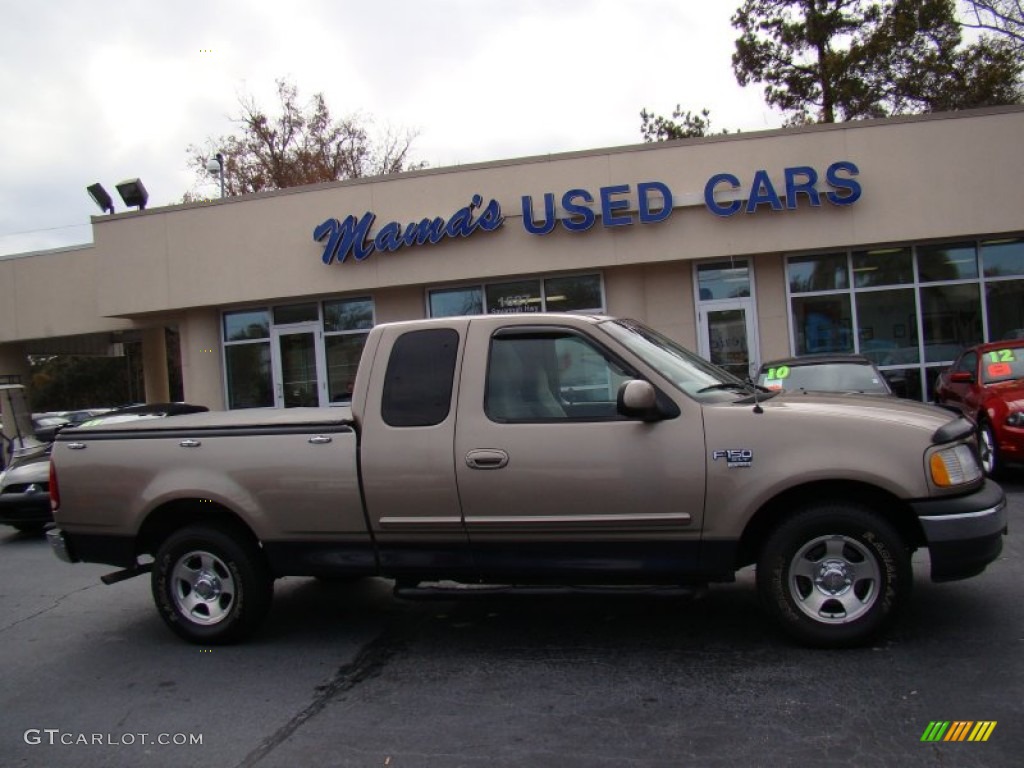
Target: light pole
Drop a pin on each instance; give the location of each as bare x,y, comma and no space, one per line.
215,167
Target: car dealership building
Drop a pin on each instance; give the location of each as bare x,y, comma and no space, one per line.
901,239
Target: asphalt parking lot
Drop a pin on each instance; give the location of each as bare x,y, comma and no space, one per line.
348,675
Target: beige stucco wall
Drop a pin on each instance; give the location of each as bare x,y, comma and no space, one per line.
923,178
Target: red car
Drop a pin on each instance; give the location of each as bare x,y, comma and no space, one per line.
987,383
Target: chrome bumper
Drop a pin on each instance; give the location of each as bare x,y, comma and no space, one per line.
59,545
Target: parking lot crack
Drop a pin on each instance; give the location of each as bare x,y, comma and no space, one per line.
365,666
55,604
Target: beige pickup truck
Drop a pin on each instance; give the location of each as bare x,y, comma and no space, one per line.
535,449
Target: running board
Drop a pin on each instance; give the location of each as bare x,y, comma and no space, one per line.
127,573
447,590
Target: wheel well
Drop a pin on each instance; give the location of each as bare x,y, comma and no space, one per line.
778,509
165,520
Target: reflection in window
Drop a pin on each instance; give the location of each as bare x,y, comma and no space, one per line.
247,324
955,261
950,320
888,266
348,315
453,302
296,313
823,324
1003,258
887,326
343,353
1005,309
248,375
723,280
576,293
818,273
347,323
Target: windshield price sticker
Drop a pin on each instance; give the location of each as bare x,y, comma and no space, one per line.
776,377
1000,363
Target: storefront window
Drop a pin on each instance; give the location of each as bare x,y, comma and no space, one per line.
347,323
889,266
513,298
723,280
1003,258
452,302
956,261
576,293
950,320
248,375
1005,309
818,273
822,324
296,313
247,324
887,326
568,293
348,315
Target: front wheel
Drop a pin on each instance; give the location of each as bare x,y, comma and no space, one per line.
834,574
211,586
988,449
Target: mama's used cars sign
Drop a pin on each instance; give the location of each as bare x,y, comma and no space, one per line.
578,210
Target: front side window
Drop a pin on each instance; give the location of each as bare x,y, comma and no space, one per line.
541,376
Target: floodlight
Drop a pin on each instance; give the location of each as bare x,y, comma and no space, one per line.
100,196
134,193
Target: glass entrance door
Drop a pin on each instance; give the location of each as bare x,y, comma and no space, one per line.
727,337
298,375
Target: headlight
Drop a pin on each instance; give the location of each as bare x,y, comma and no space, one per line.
1015,419
955,465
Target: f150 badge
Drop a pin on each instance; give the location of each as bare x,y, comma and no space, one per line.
735,457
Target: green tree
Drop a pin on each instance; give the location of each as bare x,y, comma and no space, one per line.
301,144
834,60
682,125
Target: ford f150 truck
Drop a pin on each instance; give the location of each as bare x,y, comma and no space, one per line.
535,450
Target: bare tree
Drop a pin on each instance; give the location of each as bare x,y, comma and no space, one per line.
1004,17
299,145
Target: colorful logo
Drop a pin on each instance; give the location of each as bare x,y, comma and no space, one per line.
958,730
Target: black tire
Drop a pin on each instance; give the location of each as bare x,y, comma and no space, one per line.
211,586
988,449
834,575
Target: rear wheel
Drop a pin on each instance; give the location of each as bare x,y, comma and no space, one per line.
211,586
834,574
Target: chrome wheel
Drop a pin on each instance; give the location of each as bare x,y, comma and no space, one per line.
203,588
834,579
987,448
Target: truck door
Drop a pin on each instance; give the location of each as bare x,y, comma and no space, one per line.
553,480
406,464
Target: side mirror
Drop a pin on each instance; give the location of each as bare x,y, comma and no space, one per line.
961,377
638,399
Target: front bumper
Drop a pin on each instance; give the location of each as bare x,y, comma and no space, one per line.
964,534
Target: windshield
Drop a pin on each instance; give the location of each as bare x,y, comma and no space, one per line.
692,374
825,377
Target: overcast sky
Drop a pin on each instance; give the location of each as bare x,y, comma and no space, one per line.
104,91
